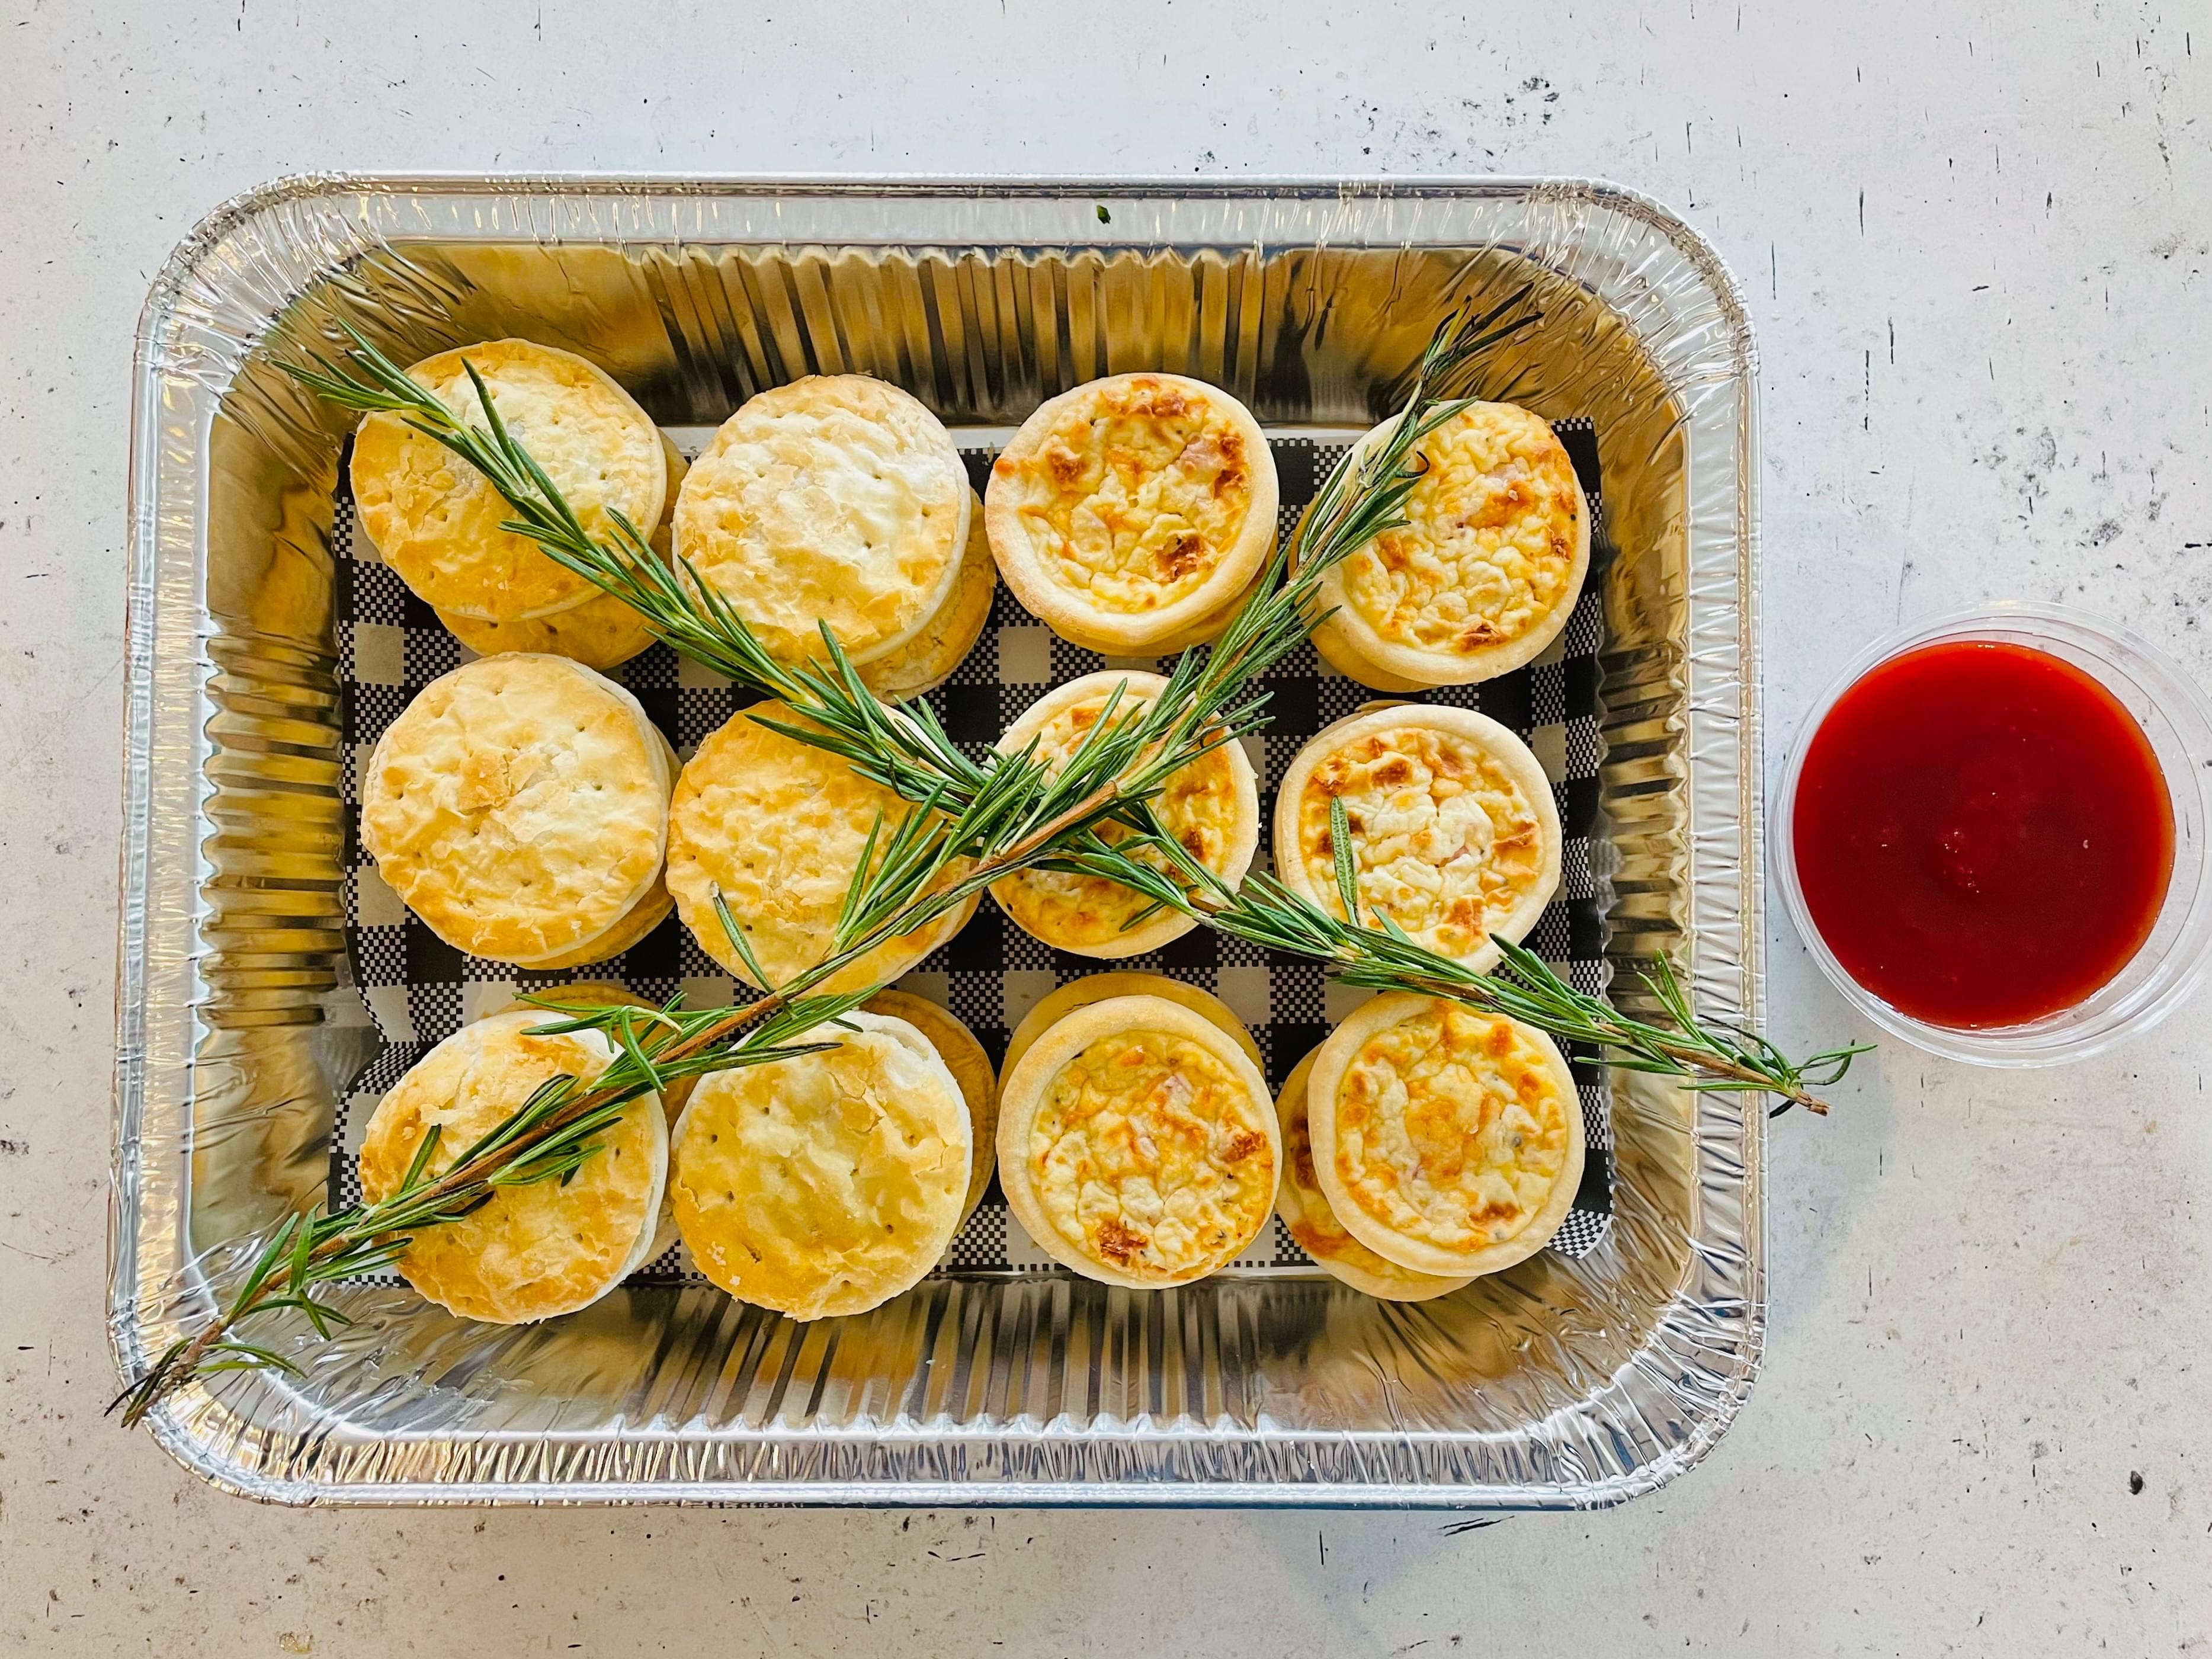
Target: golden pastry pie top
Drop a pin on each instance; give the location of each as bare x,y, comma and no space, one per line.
778,827
825,1184
836,499
1455,834
1210,806
1447,1141
519,805
436,519
1488,565
1138,1144
533,1251
1137,499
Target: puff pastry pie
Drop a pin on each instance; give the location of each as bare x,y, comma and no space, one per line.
1455,833
1445,1140
1130,514
1211,806
824,1185
1485,573
519,806
436,519
1138,1145
529,1252
835,498
778,827
970,1066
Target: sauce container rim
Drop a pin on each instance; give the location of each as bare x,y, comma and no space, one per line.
2175,715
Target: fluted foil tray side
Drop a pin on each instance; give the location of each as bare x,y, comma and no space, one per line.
1557,1384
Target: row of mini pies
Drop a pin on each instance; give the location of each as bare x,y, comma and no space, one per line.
1131,514
1421,1145
529,811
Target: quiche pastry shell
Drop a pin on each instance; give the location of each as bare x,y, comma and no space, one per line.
1131,510
1456,833
836,499
1484,576
519,806
436,519
925,661
963,1056
1304,1211
1445,1140
777,827
827,1184
1213,805
1138,1144
600,633
531,1252
1058,1003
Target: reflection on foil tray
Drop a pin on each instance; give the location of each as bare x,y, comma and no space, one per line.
1567,1381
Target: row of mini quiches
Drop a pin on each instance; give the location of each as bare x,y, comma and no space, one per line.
1132,514
528,811
1422,1146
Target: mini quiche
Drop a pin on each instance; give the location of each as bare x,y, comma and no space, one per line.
601,633
925,661
520,806
1137,1144
777,828
1455,833
1445,1140
825,1184
1211,807
1058,1003
1484,573
529,1252
1131,512
837,499
970,1066
436,519
1310,1221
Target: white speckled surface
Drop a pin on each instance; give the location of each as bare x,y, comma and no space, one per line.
1976,238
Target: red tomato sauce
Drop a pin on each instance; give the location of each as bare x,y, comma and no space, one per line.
1983,834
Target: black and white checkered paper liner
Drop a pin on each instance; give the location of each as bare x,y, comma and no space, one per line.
416,989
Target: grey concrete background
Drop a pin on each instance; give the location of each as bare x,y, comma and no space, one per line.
1976,239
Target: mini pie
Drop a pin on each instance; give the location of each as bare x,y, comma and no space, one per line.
1308,1218
1137,1144
1132,511
1485,573
529,1252
837,498
970,1066
519,805
1058,1003
827,1184
436,519
1445,1140
777,827
1212,806
600,633
1455,834
923,663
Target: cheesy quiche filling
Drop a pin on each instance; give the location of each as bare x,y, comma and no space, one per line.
1487,553
1444,841
1198,806
1134,495
1149,1154
1451,1128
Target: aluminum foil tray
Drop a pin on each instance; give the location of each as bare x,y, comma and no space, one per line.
1561,1383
